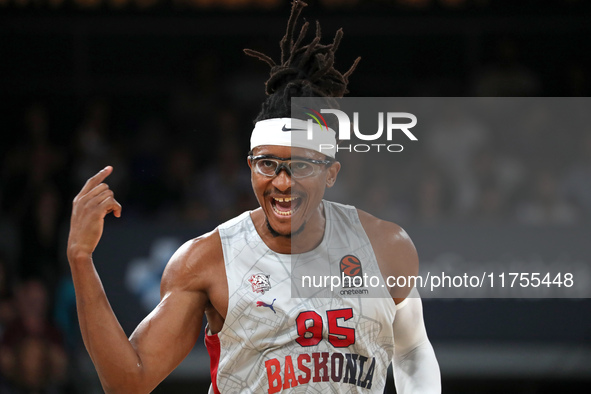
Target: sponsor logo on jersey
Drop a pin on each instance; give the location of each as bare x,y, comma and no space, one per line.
260,283
264,304
351,271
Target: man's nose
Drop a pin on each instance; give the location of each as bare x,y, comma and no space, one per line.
282,181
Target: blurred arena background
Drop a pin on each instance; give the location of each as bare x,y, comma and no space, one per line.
162,91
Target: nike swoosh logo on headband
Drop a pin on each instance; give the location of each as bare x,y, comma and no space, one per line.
286,129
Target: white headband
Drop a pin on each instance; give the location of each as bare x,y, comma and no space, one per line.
294,132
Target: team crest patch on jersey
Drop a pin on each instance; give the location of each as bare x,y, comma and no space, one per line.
260,282
351,271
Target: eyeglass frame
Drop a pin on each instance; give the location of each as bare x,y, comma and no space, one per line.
283,165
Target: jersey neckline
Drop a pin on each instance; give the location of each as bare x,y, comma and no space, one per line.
319,247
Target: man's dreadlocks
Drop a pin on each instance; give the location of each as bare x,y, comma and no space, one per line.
304,71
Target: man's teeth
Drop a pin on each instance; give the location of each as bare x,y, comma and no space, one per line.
283,213
287,199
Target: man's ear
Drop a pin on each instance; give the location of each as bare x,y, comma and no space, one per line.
331,174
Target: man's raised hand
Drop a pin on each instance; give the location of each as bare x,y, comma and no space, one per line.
89,209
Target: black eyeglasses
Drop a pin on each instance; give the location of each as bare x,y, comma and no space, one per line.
269,165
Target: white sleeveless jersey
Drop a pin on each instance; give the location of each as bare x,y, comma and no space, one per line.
272,342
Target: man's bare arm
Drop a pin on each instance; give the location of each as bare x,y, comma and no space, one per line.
415,366
394,250
165,336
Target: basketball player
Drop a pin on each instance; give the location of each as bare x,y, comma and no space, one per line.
260,338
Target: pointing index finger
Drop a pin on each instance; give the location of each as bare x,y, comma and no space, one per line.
91,183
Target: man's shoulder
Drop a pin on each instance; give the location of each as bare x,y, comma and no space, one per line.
194,262
394,250
385,235
206,246
376,227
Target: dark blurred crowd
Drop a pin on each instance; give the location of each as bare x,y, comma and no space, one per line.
185,160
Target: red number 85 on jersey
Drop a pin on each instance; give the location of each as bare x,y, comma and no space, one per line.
309,325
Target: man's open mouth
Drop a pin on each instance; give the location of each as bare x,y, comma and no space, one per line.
285,206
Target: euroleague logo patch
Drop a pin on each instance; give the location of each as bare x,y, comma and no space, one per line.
351,268
260,282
